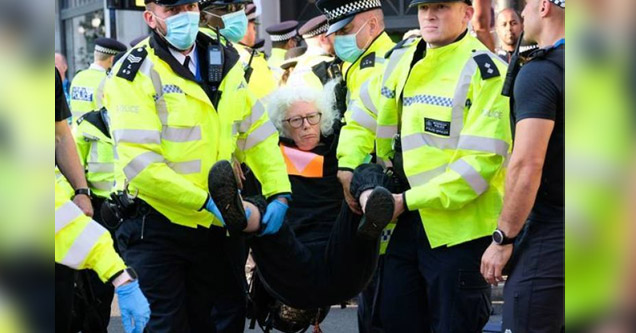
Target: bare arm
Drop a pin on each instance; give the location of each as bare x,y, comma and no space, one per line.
522,183
68,162
481,23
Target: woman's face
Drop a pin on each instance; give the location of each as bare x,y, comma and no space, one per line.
303,124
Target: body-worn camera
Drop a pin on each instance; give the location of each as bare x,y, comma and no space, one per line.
120,206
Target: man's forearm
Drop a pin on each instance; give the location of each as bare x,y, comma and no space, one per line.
66,156
522,184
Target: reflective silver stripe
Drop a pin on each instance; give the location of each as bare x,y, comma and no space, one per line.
386,131
365,97
380,60
235,128
137,136
181,134
422,178
186,167
255,115
393,62
417,140
470,142
160,103
478,143
100,167
99,94
139,163
363,118
102,186
461,94
470,175
66,214
83,245
258,135
94,154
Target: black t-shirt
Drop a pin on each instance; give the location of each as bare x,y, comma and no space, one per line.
316,202
62,111
540,93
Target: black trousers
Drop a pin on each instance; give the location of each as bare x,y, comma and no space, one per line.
183,272
369,301
534,292
64,281
313,275
432,290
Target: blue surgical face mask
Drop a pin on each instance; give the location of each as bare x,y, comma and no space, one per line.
235,25
346,46
182,29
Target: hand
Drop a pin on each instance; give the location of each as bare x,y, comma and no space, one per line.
399,206
345,179
274,216
83,201
493,261
238,171
211,207
135,310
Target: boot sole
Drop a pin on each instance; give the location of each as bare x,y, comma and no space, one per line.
378,213
225,193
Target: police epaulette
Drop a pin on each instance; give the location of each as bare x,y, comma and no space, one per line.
368,61
132,63
403,43
96,118
487,66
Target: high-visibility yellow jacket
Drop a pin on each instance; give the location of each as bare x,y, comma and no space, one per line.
96,152
303,74
358,135
80,242
169,133
87,90
455,134
275,60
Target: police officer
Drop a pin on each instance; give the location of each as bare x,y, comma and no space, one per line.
534,202
81,243
319,49
252,21
284,37
445,125
236,27
179,103
87,86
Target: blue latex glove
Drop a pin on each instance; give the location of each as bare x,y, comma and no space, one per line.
135,310
274,217
211,207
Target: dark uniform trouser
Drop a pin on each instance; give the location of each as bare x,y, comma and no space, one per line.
534,292
432,290
64,278
369,301
182,272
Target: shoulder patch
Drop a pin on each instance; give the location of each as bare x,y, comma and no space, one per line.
487,66
368,61
132,63
403,43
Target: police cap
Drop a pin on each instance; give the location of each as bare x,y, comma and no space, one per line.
314,27
339,13
109,46
206,3
292,55
419,2
170,2
250,12
282,31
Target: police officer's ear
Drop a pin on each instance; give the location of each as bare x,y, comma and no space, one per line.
149,16
468,12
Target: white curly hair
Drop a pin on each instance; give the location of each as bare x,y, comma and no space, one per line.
280,100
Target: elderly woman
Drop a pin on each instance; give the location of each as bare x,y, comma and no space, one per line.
324,253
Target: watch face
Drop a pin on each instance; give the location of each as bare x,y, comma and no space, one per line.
497,237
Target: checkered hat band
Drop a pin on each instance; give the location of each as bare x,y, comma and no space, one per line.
321,29
351,8
280,38
560,3
251,17
105,50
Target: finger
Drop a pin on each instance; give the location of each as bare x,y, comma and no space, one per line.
127,322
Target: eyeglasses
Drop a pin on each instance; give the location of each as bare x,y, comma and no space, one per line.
297,122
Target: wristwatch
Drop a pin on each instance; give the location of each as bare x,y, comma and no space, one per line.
125,275
500,238
85,191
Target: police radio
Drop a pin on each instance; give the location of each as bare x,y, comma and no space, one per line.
215,62
513,69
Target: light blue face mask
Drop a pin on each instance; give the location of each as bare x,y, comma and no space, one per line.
346,46
235,25
182,29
